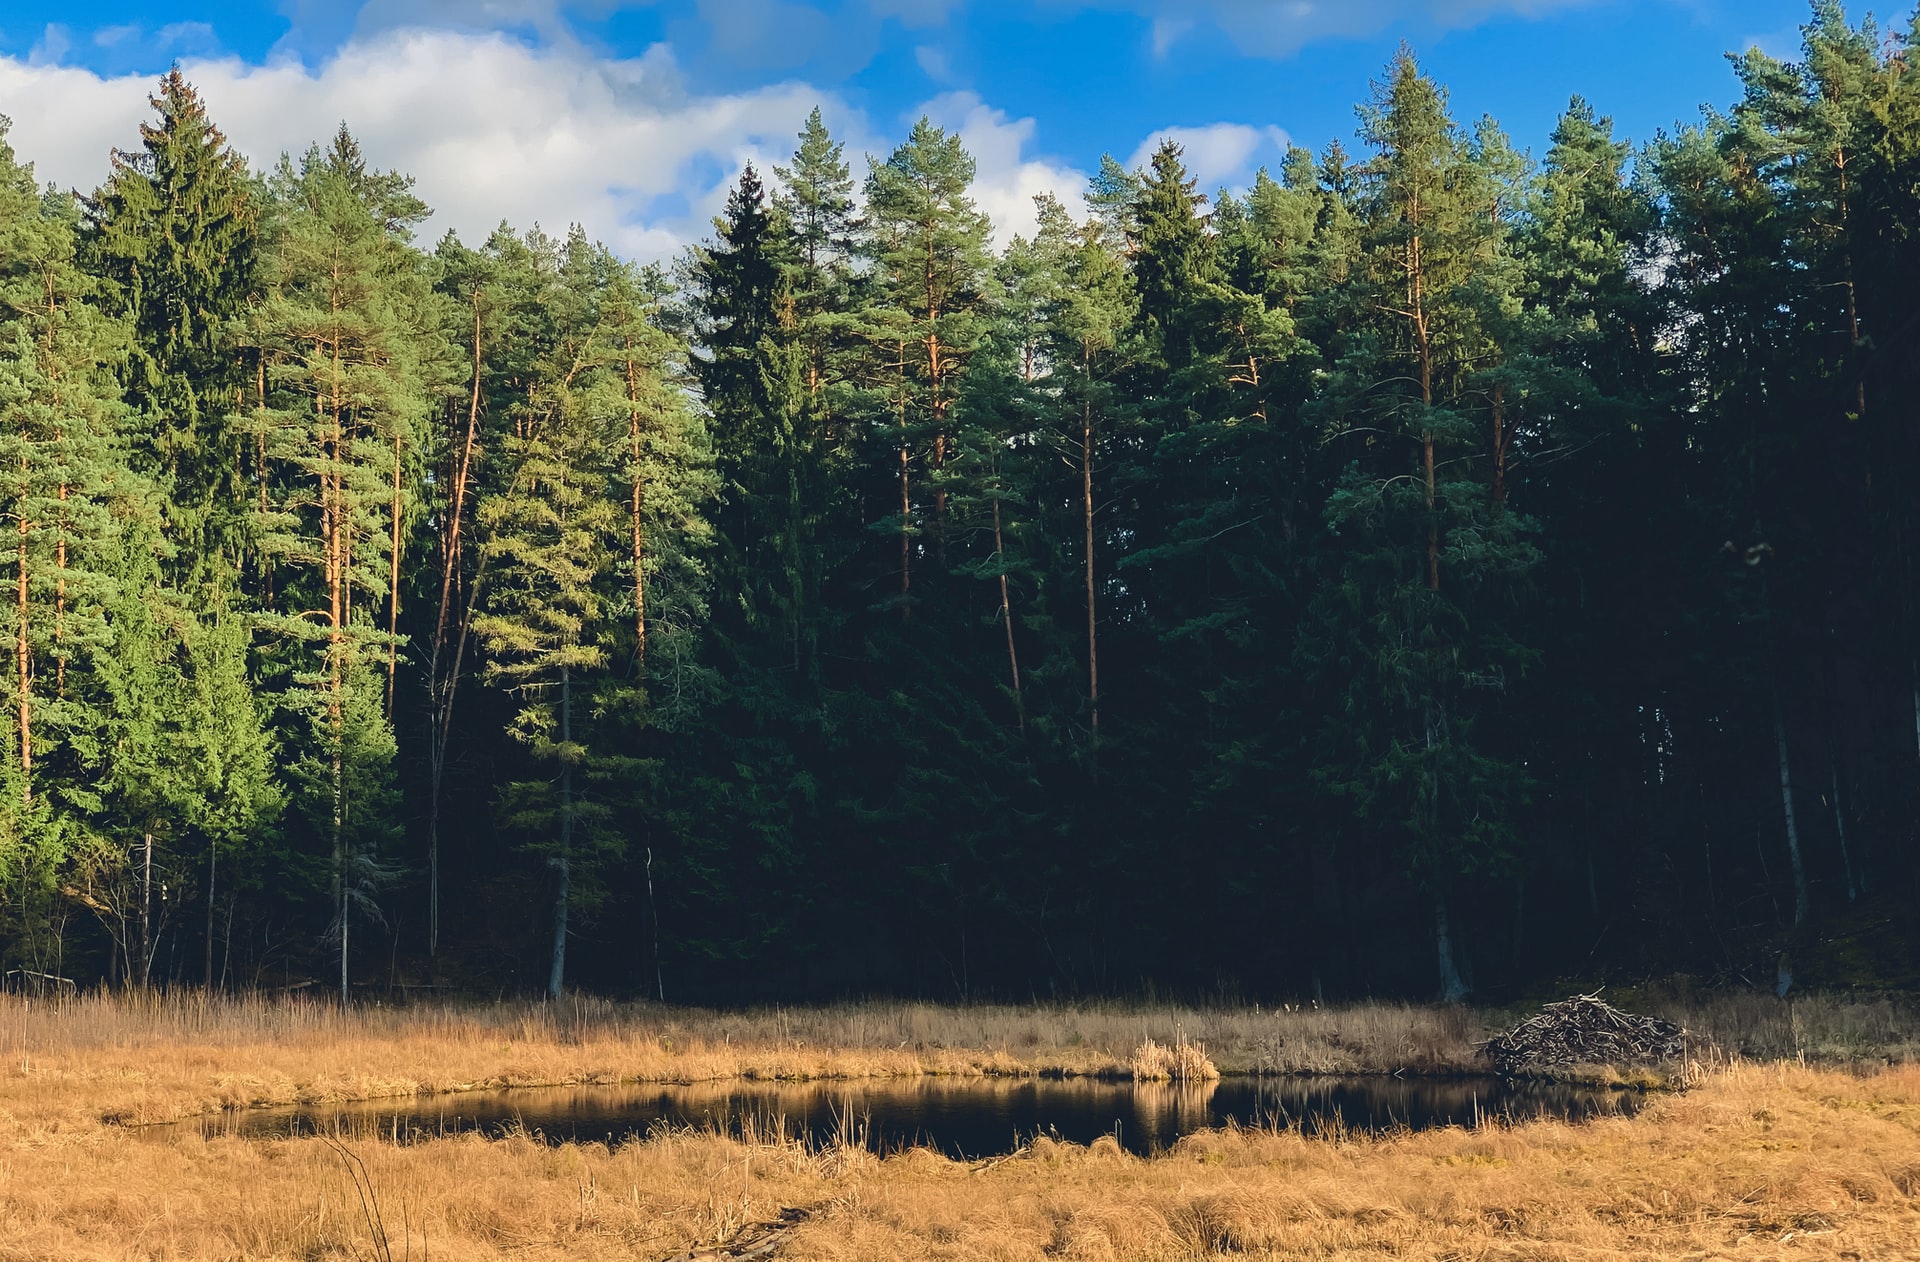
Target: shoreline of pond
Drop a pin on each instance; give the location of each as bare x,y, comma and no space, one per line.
1606,1078
961,1117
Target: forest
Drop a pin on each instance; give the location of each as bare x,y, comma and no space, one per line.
1436,569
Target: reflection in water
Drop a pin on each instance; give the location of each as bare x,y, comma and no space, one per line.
964,1117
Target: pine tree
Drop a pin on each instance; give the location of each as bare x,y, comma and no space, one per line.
65,491
1428,562
929,255
548,541
346,391
816,200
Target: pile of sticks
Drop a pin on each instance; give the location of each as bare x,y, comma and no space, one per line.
1584,1031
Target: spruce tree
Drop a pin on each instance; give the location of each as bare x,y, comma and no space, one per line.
175,231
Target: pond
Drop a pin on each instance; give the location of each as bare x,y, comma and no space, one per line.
963,1117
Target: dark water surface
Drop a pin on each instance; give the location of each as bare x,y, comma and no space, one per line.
964,1117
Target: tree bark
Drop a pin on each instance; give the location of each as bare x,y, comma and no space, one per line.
1006,617
1433,524
638,488
442,690
1801,899
393,584
1840,831
213,871
906,500
24,653
1452,988
146,915
1500,441
556,976
1093,639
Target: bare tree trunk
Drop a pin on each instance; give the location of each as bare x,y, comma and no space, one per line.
1853,310
1801,898
639,486
1006,617
442,689
23,651
653,914
1433,524
1840,830
146,913
213,871
393,584
1093,639
557,976
1452,989
1500,442
906,500
60,601
339,579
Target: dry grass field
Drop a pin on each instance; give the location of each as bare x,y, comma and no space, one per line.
1788,1159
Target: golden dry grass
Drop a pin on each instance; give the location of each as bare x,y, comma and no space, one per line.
143,1058
1760,1161
1184,1061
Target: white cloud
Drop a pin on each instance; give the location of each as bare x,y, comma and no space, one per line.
1220,153
933,63
1277,28
496,129
1006,181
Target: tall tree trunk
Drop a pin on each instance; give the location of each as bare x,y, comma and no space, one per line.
1093,638
393,584
442,689
339,559
1433,523
653,914
1840,829
146,913
60,601
23,652
1853,310
1423,344
557,976
1452,988
1500,443
906,499
638,520
1801,899
213,871
1006,617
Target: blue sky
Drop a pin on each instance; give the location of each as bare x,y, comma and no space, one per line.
641,112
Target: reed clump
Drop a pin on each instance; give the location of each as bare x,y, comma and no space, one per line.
1184,1061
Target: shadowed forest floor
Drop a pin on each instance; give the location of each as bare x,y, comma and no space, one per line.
1820,1159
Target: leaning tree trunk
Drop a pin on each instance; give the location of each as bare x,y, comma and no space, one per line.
1801,898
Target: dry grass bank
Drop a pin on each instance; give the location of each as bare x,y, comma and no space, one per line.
147,1058
1760,1161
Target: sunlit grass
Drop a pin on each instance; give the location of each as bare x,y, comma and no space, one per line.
1779,1160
